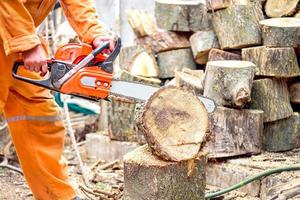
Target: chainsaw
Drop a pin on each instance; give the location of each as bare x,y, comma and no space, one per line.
80,70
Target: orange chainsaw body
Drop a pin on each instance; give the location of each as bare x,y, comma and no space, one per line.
74,53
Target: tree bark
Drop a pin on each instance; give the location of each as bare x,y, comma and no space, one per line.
282,135
170,61
280,32
190,82
217,54
294,90
235,132
229,83
271,96
238,26
280,8
202,42
165,41
174,123
273,62
148,177
141,22
181,15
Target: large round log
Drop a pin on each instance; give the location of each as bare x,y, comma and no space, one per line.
294,90
271,96
202,42
181,15
148,177
280,32
170,61
174,123
280,8
238,26
274,62
235,132
229,82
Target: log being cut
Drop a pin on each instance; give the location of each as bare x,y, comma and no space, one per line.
280,62
280,32
174,123
181,15
229,82
148,177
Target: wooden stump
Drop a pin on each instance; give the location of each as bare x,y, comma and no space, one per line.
271,96
235,132
148,177
190,82
294,90
280,8
202,42
238,26
274,62
217,54
282,135
174,123
170,61
165,41
181,15
229,83
280,32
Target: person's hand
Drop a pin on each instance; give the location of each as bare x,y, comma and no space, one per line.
99,40
35,60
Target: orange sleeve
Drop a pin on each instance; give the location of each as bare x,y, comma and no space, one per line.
83,18
17,30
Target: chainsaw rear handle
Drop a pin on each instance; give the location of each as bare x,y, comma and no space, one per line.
44,82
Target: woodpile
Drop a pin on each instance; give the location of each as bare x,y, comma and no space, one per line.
228,50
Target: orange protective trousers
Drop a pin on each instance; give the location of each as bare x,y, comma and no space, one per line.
34,120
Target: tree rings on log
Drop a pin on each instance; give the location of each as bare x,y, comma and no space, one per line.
280,8
217,54
282,135
170,61
202,42
174,123
271,96
294,90
238,26
235,132
181,15
280,32
274,62
229,82
148,177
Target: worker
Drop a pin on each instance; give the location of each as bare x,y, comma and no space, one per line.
34,120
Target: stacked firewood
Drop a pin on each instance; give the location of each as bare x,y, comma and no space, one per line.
240,53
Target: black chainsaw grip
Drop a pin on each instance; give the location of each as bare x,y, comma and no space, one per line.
44,82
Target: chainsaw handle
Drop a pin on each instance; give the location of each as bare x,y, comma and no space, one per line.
45,82
103,46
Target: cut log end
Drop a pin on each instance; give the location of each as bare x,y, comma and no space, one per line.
280,8
174,123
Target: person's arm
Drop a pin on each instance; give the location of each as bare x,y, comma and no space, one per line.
17,29
18,35
83,18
